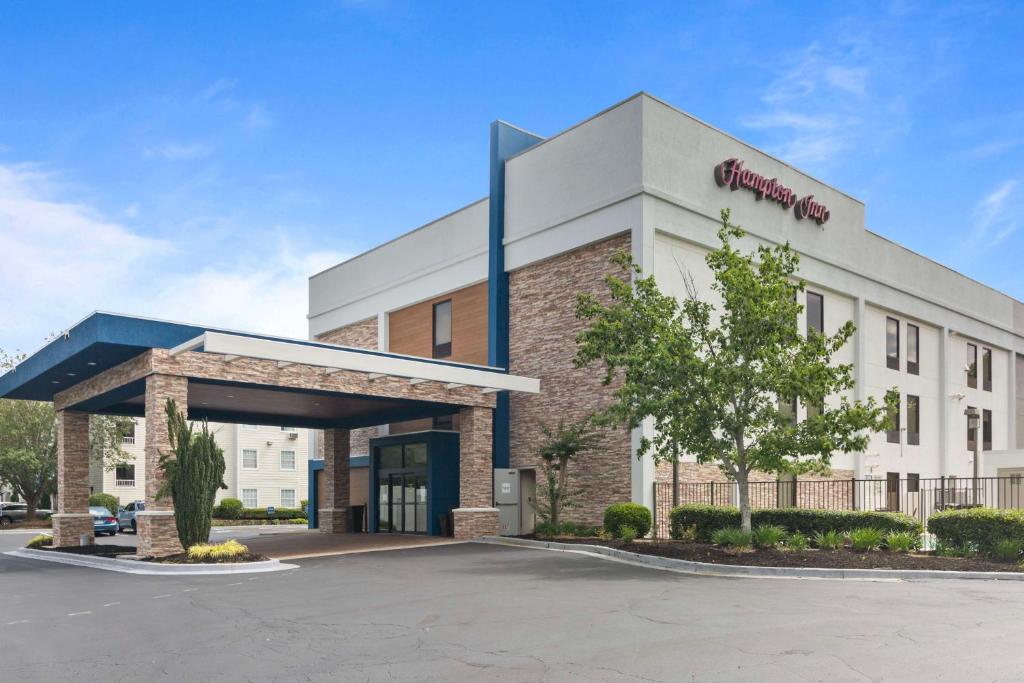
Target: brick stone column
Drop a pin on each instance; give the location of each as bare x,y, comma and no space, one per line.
72,518
157,531
476,514
333,508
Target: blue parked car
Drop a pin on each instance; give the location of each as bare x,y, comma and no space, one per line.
103,521
126,516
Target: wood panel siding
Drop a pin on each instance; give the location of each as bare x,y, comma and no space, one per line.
411,329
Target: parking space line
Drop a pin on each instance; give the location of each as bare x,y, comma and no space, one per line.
19,621
111,604
78,614
158,597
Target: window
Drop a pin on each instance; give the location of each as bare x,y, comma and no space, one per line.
250,459
913,349
892,343
443,329
443,422
913,482
288,429
972,366
287,460
815,313
971,432
287,498
892,435
128,433
913,420
250,428
986,369
788,410
815,409
249,498
986,430
124,475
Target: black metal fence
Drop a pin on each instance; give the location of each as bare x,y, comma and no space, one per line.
913,496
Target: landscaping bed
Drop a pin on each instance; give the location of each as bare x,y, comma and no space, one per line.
183,558
829,559
259,522
93,550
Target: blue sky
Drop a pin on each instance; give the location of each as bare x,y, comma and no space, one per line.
199,160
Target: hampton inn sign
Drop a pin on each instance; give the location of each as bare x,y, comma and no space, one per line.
733,174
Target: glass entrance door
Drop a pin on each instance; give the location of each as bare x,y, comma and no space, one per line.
402,502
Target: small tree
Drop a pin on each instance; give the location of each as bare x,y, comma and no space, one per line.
562,444
719,383
195,470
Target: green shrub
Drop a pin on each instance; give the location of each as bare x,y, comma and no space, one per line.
627,514
279,513
978,529
865,539
627,533
229,508
39,541
1008,549
768,535
105,500
201,552
731,537
901,541
707,518
797,541
943,549
828,540
545,530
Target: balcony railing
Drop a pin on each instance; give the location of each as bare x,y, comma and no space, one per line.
124,482
128,440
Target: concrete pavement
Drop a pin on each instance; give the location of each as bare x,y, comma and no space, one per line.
476,612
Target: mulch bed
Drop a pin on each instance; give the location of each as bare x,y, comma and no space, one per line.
93,550
182,558
835,559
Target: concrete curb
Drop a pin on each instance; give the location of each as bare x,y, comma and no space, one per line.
150,568
710,569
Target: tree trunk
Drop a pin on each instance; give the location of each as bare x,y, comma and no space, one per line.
744,486
31,505
675,481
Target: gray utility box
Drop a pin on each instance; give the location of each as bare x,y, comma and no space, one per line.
514,495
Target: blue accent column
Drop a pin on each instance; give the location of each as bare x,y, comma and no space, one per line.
506,141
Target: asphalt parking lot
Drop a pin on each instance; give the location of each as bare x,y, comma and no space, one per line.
477,612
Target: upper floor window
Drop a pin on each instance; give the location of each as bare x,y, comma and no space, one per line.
892,435
972,433
913,420
972,366
815,313
250,428
913,349
986,430
892,343
287,429
287,460
250,459
443,329
124,475
128,433
986,369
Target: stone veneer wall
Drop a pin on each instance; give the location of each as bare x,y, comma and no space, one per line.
542,344
360,335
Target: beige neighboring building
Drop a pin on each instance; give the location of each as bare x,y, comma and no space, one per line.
266,466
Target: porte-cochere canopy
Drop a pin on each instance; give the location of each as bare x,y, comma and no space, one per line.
123,365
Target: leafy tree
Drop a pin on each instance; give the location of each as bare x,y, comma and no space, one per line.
562,444
195,470
28,444
718,382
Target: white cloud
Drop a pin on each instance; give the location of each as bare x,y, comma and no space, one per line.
218,88
61,259
996,217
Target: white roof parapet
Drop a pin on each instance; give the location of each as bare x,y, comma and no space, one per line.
375,364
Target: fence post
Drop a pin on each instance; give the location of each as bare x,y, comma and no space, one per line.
654,501
712,486
942,491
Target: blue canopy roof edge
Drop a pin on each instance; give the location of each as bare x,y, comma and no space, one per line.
104,340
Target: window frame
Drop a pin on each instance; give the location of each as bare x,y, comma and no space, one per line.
280,461
971,442
241,459
913,415
986,429
986,369
913,482
893,435
281,498
117,473
443,350
972,366
821,313
892,362
914,366
256,498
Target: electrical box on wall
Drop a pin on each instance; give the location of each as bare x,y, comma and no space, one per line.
515,493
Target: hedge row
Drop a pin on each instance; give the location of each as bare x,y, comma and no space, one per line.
632,515
978,528
706,519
